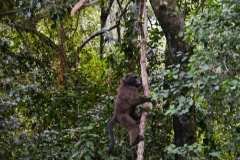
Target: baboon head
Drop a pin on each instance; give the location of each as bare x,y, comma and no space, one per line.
131,79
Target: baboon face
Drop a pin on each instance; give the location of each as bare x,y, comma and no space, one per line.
132,80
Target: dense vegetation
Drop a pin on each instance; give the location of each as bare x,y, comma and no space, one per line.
57,96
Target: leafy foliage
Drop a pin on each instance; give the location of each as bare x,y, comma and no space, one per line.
43,119
215,68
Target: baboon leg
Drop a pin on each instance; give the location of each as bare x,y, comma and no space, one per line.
131,125
137,140
134,135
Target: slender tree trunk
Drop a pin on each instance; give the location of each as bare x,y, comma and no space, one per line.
172,23
105,10
62,56
130,44
142,28
103,19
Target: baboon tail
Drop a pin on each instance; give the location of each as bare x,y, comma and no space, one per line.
110,134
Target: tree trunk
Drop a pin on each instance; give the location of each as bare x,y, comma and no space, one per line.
172,23
62,56
105,10
142,30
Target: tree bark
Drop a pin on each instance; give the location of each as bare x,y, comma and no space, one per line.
172,23
142,27
105,10
62,56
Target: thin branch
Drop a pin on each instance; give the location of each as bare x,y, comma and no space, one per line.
81,4
12,12
40,35
91,3
44,4
149,20
76,26
109,7
103,30
78,6
61,55
119,5
96,34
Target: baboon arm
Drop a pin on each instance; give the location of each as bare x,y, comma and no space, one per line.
141,100
126,121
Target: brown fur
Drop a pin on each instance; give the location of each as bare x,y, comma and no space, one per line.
127,99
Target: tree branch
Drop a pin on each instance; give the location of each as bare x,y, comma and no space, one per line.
40,35
96,34
81,4
103,30
12,12
103,20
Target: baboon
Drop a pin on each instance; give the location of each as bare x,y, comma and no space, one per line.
127,99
